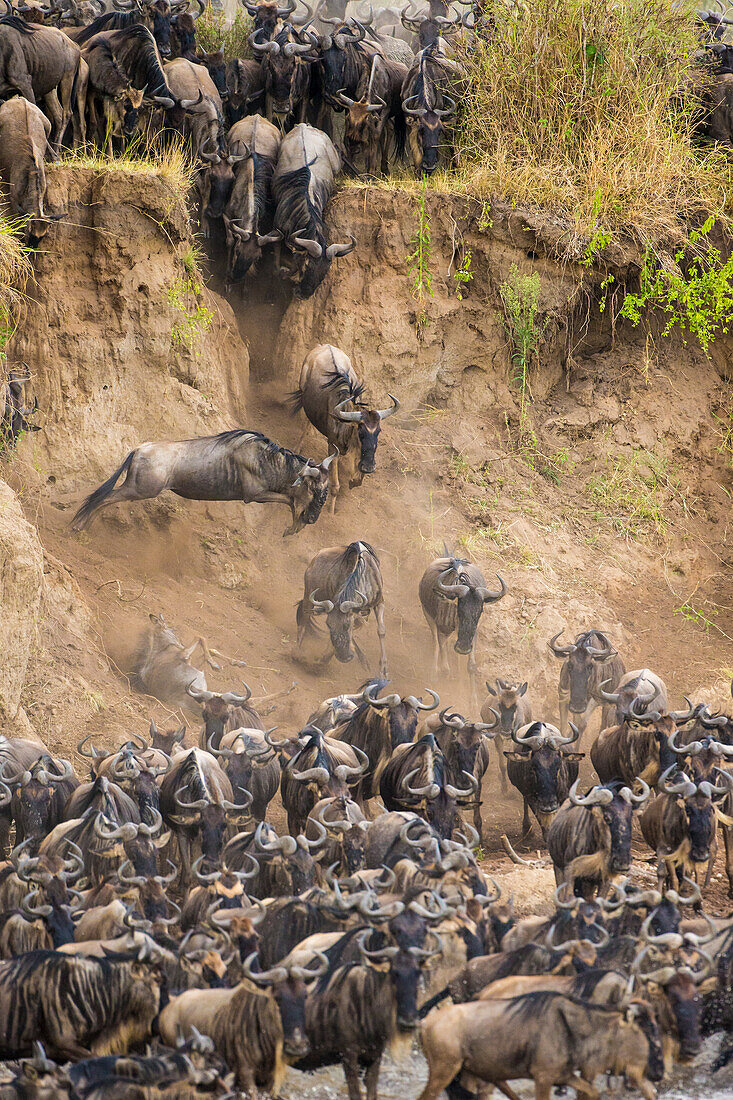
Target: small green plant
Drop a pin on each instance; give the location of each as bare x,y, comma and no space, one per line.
183,296
634,491
418,261
695,615
520,296
697,295
463,274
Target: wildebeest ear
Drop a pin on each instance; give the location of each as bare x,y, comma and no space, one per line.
523,688
489,688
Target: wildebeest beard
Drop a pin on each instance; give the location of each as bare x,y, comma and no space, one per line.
315,506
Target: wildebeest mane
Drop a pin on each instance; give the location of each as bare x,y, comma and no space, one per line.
358,553
190,778
16,23
293,461
584,985
136,50
340,380
107,21
108,75
301,214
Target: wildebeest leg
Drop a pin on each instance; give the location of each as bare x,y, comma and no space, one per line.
333,484
473,673
564,712
498,743
64,92
371,1078
350,1065
184,850
56,115
728,841
443,1069
382,634
711,858
526,820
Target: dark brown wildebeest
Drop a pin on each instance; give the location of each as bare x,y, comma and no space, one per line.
416,778
377,727
302,184
183,30
587,663
681,965
254,144
171,741
153,16
252,766
258,1027
542,771
268,15
286,63
196,803
641,686
638,746
286,865
75,1006
549,1037
42,64
377,104
13,413
358,1009
24,132
246,88
329,393
235,465
134,49
589,839
680,825
453,593
112,102
161,665
343,583
39,796
427,105
465,747
322,766
346,826
515,711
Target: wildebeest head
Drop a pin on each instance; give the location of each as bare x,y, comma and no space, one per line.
426,128
470,599
507,695
677,974
286,61
340,616
465,739
368,426
183,26
579,658
217,66
402,713
56,917
37,804
288,987
167,741
293,867
312,259
614,804
308,494
636,692
159,21
209,819
540,746
405,967
121,111
697,801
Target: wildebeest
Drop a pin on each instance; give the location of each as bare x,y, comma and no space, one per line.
246,88
199,103
542,770
465,748
302,185
514,708
196,802
588,662
234,465
134,50
680,824
552,1038
321,766
453,593
378,726
589,839
427,105
112,102
287,864
286,62
357,1010
637,746
344,583
39,795
640,686
330,395
41,63
75,1006
24,132
13,413
254,144
252,767
154,16
376,104
183,30
257,1030
416,778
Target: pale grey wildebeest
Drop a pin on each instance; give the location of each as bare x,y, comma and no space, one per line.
330,395
234,465
344,583
161,665
453,593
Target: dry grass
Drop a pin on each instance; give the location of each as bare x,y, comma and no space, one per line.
171,161
15,267
576,106
213,31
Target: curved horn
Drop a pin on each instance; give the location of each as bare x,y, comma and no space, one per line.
683,787
430,790
608,696
335,250
386,701
560,650
309,973
418,703
597,796
465,792
352,416
384,414
263,977
313,248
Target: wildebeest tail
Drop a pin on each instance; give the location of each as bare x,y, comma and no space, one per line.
434,1000
97,498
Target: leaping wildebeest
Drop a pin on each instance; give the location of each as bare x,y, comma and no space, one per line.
234,465
453,593
343,582
330,395
588,662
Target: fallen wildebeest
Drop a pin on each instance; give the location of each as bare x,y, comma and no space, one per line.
234,465
329,393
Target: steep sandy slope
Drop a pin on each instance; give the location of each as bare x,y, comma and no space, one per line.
608,509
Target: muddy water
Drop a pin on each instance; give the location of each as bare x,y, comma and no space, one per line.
404,1080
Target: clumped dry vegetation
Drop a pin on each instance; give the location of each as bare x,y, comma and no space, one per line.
214,30
144,155
14,270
